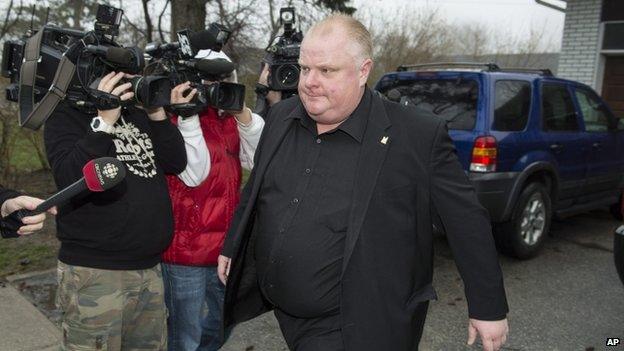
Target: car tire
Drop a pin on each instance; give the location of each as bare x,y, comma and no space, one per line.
618,251
523,235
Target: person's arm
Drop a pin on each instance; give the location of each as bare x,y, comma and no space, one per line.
70,144
69,140
197,153
168,142
227,252
468,229
249,133
31,223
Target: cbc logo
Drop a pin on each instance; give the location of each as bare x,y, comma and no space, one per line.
110,170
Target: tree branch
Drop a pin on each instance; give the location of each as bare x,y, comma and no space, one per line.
160,31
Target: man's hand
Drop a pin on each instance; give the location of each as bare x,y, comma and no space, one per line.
108,84
177,93
32,223
493,333
223,268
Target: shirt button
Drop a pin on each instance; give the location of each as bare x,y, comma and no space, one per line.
308,170
318,140
295,201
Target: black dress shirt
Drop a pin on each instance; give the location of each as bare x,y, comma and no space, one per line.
303,209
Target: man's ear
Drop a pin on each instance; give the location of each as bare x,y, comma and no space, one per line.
365,69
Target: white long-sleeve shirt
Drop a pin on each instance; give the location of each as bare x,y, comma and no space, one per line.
198,155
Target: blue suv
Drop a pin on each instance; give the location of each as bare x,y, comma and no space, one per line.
532,144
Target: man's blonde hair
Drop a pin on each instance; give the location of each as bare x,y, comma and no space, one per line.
355,30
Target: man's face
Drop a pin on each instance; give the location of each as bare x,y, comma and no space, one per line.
332,76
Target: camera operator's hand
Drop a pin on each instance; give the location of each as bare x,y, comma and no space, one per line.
108,84
272,96
177,93
243,116
31,223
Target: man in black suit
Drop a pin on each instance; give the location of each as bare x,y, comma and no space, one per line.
334,228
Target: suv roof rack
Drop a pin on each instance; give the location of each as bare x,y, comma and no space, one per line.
486,66
490,66
540,71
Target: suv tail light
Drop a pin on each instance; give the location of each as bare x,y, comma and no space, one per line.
484,155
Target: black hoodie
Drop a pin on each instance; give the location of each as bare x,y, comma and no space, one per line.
126,227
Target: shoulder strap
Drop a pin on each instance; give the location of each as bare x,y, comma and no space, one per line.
32,115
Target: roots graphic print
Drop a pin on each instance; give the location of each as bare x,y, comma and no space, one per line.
135,149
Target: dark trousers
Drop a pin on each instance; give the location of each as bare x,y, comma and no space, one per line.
311,334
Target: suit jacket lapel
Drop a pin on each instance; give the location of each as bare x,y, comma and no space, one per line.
375,143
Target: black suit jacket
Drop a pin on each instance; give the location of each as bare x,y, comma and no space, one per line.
407,170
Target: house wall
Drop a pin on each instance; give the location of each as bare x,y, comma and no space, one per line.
581,40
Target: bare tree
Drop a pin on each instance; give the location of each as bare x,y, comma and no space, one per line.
148,22
187,14
419,37
160,17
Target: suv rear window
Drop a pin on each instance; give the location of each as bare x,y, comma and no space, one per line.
454,100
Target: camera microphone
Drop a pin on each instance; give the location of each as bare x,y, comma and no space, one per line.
113,54
128,59
215,67
98,175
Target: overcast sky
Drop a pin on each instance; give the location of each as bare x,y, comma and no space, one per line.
510,16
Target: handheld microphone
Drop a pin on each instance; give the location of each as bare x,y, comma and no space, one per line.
98,175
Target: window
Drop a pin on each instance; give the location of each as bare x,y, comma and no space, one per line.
557,108
613,37
454,100
511,105
595,115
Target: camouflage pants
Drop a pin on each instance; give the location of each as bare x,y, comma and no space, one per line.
111,310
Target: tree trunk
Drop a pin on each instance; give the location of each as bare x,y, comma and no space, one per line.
78,6
187,14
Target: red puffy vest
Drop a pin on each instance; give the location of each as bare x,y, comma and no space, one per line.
202,214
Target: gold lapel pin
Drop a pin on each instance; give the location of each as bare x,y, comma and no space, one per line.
384,140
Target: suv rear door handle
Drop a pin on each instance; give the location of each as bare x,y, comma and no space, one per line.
556,147
597,145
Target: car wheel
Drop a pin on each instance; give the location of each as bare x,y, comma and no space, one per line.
618,251
523,235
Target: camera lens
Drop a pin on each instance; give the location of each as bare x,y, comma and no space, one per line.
288,76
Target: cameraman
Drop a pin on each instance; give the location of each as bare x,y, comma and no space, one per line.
110,283
204,197
265,98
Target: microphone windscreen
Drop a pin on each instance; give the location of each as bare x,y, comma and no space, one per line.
217,66
121,56
103,173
